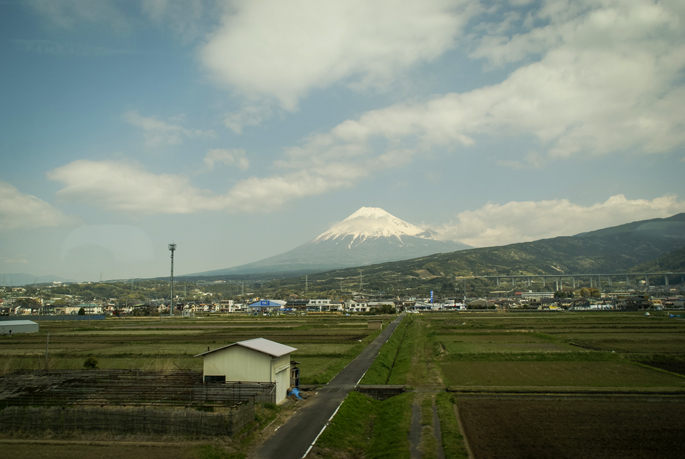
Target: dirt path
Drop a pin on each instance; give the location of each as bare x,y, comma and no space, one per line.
415,431
426,372
438,433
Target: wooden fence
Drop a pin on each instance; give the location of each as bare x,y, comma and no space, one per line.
121,421
128,401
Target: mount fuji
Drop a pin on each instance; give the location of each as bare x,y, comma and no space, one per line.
370,235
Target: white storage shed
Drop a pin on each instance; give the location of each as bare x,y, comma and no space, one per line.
255,360
11,327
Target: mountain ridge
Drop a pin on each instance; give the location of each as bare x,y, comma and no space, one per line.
369,235
610,250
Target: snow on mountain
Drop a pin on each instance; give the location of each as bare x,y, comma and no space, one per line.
370,235
368,223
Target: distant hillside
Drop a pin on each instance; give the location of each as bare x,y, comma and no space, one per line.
671,227
671,262
19,279
611,250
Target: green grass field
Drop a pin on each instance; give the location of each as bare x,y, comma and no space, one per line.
556,374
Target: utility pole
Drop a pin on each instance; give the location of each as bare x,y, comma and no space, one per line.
361,280
47,344
172,247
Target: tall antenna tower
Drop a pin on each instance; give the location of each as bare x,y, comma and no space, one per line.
172,247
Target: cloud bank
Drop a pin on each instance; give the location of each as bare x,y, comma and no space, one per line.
235,157
160,133
283,50
593,78
20,210
500,224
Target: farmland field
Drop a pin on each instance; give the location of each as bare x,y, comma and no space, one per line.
538,356
573,429
324,344
556,374
497,355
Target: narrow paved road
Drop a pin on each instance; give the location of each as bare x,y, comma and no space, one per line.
293,439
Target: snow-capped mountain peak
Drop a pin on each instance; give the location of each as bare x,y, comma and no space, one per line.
370,223
368,236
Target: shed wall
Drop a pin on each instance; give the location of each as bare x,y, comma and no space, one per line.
5,328
238,363
280,368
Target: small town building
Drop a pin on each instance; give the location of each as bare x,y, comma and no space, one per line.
295,304
88,309
253,360
634,303
356,306
267,306
320,305
12,327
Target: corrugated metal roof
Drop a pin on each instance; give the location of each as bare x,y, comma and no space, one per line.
268,304
17,322
263,345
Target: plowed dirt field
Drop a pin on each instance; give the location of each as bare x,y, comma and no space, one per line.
574,429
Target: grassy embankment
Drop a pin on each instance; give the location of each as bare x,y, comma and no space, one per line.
392,362
364,427
409,357
452,440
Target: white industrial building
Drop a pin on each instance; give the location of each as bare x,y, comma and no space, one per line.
254,360
11,327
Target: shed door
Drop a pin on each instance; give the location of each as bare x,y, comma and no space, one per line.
282,383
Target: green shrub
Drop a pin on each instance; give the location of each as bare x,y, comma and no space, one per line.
91,363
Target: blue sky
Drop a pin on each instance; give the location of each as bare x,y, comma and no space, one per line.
242,129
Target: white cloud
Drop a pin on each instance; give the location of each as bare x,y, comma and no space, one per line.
158,133
283,50
20,210
499,224
609,81
234,157
127,187
248,115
